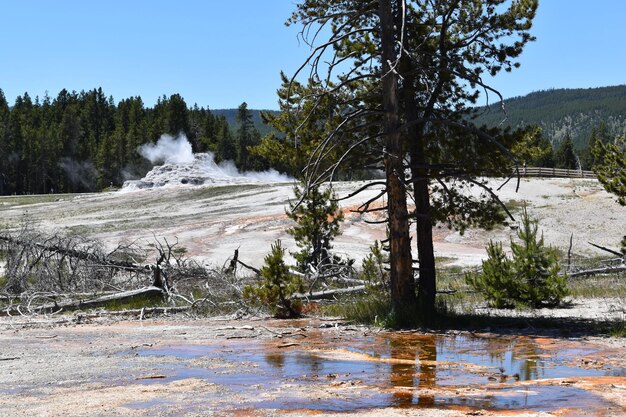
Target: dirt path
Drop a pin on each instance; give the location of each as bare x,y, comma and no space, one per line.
296,368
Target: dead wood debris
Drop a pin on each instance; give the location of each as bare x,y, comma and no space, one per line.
332,293
598,271
53,274
287,345
140,378
609,266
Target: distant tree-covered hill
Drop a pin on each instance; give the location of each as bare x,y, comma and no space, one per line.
231,118
562,111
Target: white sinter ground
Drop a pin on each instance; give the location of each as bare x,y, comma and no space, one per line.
232,211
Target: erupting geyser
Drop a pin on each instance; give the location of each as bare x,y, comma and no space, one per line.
182,167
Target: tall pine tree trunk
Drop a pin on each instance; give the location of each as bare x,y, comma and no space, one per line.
420,177
423,225
401,276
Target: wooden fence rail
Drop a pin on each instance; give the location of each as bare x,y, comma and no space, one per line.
555,172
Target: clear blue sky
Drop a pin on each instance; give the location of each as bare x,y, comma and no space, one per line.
220,53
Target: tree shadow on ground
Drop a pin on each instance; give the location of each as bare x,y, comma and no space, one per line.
532,326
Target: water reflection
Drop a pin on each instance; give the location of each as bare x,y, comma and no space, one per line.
400,370
402,375
295,364
428,371
516,359
276,360
421,370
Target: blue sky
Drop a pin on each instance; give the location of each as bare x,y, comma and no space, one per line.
220,53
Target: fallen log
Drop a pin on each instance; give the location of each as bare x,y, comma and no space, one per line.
611,251
100,301
251,268
136,312
329,294
141,312
77,254
140,378
350,280
286,345
606,270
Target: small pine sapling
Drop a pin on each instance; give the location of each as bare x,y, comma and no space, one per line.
496,282
318,219
536,267
530,278
276,286
374,267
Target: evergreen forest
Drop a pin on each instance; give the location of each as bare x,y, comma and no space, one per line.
83,142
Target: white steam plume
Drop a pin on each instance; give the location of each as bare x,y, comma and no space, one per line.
168,149
227,169
182,167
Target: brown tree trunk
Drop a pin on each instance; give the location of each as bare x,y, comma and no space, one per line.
425,251
420,177
401,276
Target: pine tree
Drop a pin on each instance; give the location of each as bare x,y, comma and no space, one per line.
565,155
318,219
536,267
530,278
374,267
496,282
136,135
206,124
4,143
225,148
404,94
276,286
612,171
247,137
177,117
298,141
49,148
533,149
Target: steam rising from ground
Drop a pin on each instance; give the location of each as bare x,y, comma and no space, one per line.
182,167
168,149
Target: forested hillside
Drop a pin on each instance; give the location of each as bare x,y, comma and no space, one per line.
562,111
78,142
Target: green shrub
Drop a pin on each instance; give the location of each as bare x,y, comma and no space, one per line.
497,280
276,286
373,267
530,278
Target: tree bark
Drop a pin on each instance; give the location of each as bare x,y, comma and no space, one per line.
427,286
427,283
401,275
420,176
